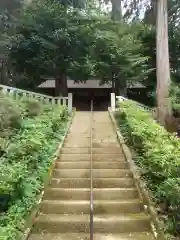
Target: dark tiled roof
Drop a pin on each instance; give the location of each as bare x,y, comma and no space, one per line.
88,84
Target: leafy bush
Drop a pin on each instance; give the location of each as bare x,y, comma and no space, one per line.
175,98
10,116
3,145
33,108
158,159
25,163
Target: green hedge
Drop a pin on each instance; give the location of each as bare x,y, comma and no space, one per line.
157,154
25,163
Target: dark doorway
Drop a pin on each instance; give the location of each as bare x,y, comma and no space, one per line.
100,103
82,100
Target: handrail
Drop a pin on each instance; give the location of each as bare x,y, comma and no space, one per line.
30,92
121,98
24,91
91,176
17,93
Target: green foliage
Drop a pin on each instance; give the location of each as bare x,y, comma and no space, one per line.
3,145
10,116
33,108
73,3
175,98
158,159
147,35
117,52
51,40
58,41
24,165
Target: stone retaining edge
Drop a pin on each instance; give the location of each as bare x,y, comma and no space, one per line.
156,225
30,220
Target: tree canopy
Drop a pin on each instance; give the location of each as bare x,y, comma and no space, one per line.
118,56
60,38
53,40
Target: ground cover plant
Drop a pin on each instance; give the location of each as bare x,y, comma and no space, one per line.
157,155
29,135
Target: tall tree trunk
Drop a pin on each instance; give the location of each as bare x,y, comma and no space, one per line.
122,87
4,78
57,86
163,69
61,88
116,13
117,87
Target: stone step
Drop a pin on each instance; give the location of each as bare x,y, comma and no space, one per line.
65,210
83,143
111,173
100,127
83,206
114,193
96,165
107,144
108,157
97,182
70,137
110,165
117,206
76,144
81,236
74,157
84,193
95,157
70,182
71,173
72,165
103,136
107,150
97,173
85,150
66,223
73,139
109,139
75,150
75,130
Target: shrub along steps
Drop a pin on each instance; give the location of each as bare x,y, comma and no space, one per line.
118,211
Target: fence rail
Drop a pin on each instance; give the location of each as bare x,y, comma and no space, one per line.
114,100
120,98
19,93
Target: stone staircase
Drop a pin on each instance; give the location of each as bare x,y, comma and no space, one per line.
118,211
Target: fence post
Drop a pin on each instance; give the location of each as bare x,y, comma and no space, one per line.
4,90
113,102
70,103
